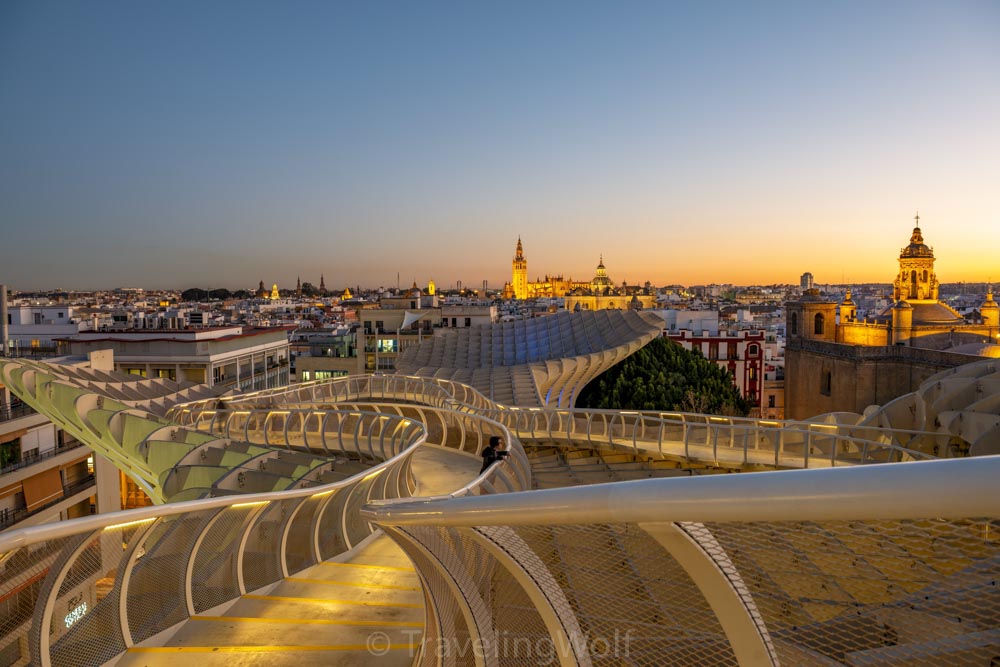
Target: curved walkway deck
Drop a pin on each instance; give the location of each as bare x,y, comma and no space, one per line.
862,564
359,608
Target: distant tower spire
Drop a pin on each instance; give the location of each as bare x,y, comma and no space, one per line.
322,283
519,269
916,219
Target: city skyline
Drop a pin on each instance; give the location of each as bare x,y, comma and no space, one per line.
190,146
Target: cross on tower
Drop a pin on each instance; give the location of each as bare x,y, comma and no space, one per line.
917,219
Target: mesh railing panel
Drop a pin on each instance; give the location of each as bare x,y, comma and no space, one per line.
519,635
331,526
627,592
299,543
872,592
156,592
91,630
215,577
449,619
260,557
356,528
22,576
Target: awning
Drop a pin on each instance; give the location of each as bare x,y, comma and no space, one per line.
411,317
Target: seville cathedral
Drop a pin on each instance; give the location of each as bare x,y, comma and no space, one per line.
598,293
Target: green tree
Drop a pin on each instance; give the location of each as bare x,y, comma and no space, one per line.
665,376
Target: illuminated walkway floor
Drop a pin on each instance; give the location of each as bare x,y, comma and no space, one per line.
367,609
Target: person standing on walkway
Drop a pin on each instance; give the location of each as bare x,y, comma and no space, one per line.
492,453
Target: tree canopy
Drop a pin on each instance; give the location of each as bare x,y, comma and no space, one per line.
665,376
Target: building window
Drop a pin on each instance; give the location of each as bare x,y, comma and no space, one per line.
10,452
753,350
770,401
305,376
713,351
818,327
826,383
794,322
468,321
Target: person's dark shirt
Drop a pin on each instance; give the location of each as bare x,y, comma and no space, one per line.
489,457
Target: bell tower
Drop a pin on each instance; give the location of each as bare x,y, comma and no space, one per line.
916,280
520,273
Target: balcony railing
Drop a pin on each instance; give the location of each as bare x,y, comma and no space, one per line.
32,459
9,517
8,412
33,352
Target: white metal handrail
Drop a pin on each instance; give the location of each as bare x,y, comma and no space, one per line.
269,536
851,566
724,441
962,488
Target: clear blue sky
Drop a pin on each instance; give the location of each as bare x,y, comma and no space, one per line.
174,144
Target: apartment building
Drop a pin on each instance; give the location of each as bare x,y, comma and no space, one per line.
234,357
45,474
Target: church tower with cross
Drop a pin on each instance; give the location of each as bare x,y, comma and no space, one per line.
916,280
844,364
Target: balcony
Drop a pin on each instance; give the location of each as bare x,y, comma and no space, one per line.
8,412
33,352
32,459
10,517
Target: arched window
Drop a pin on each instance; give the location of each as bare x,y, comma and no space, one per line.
826,383
923,276
753,350
818,328
794,323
